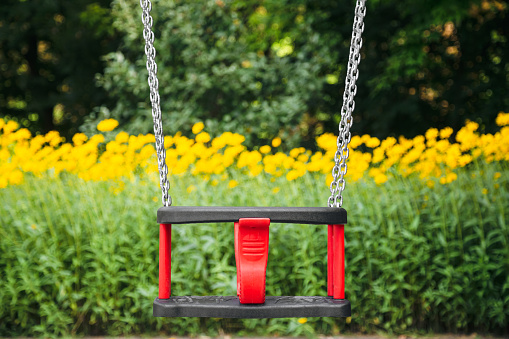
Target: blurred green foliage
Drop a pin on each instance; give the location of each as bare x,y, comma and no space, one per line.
50,52
214,68
78,260
261,68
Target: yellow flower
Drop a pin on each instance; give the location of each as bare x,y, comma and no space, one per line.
53,138
155,199
355,142
198,127
484,191
168,141
465,160
328,180
107,125
79,139
203,137
292,175
380,178
418,140
122,137
472,126
378,175
451,177
191,188
303,158
22,134
10,126
234,139
255,170
432,157
303,320
294,153
373,142
348,320
276,142
432,133
502,119
445,133
327,141
16,177
33,226
378,155
265,149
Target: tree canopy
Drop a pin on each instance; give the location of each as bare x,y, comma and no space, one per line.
50,52
262,68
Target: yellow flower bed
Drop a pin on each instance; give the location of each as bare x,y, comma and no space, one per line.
431,157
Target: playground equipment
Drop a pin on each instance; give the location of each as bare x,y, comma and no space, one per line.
251,224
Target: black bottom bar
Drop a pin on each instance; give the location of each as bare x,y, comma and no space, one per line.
230,307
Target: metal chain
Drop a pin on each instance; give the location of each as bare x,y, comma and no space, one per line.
340,167
153,83
339,170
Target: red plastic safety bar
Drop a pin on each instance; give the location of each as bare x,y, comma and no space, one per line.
251,254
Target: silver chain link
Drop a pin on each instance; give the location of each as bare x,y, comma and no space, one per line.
153,83
339,170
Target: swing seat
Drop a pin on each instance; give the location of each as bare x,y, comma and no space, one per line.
251,232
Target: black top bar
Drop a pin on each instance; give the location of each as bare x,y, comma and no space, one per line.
295,215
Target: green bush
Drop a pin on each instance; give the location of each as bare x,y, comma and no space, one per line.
272,68
76,259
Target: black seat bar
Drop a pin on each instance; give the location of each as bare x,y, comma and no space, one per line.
230,307
295,215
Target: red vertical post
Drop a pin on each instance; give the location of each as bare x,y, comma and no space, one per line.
164,261
330,262
237,254
338,261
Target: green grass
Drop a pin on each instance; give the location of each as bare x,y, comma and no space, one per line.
76,259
